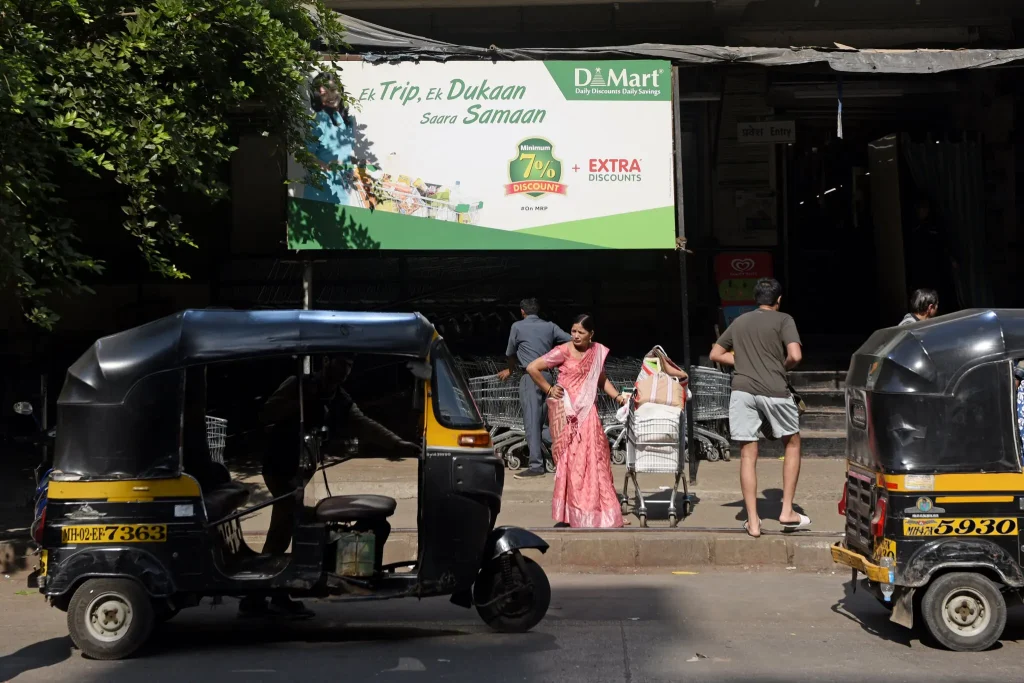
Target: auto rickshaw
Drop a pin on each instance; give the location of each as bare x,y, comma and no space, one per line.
129,535
934,492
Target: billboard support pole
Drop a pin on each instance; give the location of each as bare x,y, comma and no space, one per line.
684,298
307,305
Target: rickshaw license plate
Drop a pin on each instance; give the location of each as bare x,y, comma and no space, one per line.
977,526
114,533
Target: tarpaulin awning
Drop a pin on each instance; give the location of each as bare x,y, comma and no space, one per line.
379,43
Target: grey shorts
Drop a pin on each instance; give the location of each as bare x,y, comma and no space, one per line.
748,412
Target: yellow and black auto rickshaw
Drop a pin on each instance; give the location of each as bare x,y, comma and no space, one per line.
133,527
934,492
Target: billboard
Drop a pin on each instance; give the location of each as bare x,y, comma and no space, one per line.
483,155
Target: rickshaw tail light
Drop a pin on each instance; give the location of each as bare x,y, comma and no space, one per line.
878,520
38,526
842,501
475,440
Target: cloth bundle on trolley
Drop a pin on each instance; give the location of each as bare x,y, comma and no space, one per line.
656,424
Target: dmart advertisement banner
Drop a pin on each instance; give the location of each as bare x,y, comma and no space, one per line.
479,155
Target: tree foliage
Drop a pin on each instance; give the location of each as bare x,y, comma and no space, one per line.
143,95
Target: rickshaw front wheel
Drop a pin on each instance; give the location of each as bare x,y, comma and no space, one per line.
110,618
508,601
964,611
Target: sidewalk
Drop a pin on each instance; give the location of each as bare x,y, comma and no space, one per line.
712,535
527,503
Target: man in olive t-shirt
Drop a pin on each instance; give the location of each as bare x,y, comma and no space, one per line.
762,346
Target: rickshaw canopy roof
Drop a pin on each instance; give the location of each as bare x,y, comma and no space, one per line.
113,365
930,356
937,396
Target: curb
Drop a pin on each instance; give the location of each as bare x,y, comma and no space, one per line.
596,551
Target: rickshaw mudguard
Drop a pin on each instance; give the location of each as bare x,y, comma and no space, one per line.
505,539
960,553
130,563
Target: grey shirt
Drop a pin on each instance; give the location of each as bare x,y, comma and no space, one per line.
759,339
532,337
908,319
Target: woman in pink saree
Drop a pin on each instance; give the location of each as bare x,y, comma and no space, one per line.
584,494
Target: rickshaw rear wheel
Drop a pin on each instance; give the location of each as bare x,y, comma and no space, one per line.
964,611
519,612
110,618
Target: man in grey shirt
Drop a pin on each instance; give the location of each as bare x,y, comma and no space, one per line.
530,339
924,305
762,346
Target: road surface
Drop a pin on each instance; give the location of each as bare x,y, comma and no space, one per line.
754,626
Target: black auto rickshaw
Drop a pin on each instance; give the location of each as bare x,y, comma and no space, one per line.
934,493
129,536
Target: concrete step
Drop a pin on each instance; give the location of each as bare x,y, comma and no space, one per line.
823,398
814,443
820,380
830,419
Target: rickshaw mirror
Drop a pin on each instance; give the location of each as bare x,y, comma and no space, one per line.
420,369
23,408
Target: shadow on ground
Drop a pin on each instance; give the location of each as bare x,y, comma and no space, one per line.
39,655
769,506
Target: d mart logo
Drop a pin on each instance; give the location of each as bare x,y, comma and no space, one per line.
617,78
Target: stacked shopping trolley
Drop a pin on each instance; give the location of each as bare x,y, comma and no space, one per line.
498,403
711,394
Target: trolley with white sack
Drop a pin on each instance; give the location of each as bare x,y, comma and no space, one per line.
656,444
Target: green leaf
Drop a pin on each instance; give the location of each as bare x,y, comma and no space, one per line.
153,96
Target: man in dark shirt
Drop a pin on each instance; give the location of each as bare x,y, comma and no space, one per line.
530,339
762,346
325,402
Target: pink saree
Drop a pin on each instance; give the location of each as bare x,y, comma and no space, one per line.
584,494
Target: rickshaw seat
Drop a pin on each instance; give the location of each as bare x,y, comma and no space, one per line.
225,499
355,508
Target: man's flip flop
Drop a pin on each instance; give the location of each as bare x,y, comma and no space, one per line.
746,528
804,522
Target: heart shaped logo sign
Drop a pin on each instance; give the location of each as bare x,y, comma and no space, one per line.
742,265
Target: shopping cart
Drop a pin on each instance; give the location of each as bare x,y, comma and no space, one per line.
712,391
656,445
623,374
216,437
398,197
499,404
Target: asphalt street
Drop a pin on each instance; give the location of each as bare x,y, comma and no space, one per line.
755,626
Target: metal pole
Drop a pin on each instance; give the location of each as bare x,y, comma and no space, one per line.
681,249
307,305
44,418
785,216
44,400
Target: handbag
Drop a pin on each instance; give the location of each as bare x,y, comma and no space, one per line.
801,407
